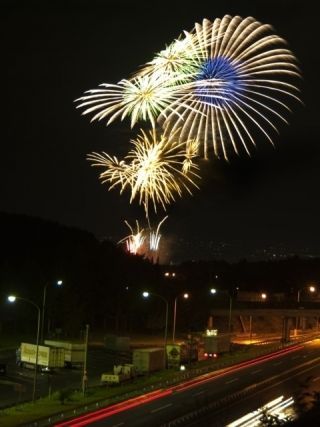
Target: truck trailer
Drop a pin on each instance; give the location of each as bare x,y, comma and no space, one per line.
148,360
48,358
74,353
213,345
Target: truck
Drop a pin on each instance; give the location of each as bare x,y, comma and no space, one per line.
213,345
120,373
148,360
74,353
48,358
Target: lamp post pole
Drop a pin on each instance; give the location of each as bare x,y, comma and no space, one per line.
174,319
185,296
44,297
146,295
43,309
12,299
85,374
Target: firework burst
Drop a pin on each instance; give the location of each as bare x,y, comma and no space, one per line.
224,84
240,88
157,169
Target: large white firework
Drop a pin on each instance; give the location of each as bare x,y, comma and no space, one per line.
240,91
225,84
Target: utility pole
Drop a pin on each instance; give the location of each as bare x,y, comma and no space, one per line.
85,374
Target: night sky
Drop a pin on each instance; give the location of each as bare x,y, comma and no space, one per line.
53,51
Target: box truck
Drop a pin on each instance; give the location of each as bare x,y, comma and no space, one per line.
48,358
74,353
148,360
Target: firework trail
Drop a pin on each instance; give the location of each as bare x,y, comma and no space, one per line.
155,236
135,240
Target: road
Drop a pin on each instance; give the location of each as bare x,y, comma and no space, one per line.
230,393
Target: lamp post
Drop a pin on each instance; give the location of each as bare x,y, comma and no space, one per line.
12,299
58,283
311,289
85,373
214,291
146,295
185,296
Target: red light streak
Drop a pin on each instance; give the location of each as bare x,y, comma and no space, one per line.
158,394
115,409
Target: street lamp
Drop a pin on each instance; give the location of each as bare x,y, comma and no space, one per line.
263,296
146,294
12,299
185,296
214,291
310,288
58,283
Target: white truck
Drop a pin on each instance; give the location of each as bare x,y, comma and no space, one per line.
147,360
74,353
120,373
48,358
213,345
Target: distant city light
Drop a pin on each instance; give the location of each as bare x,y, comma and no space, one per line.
11,298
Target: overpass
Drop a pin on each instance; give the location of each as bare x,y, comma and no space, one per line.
291,318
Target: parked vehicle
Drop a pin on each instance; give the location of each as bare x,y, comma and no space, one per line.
148,360
213,345
48,357
74,353
120,373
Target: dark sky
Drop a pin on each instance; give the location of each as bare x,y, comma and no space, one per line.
53,51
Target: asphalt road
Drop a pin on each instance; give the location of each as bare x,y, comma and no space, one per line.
234,393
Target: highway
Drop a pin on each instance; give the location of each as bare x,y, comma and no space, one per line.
217,399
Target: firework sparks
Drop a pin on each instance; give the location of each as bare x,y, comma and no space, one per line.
157,169
155,236
142,98
134,241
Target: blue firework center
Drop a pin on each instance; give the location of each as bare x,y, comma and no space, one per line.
219,78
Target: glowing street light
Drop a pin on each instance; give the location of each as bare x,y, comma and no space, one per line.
213,291
12,299
263,296
147,294
310,289
185,296
58,283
